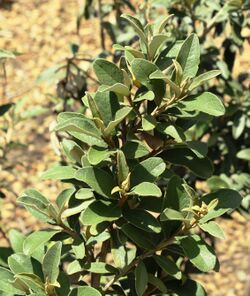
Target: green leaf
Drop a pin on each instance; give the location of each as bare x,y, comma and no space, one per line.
84,193
216,182
239,124
7,54
148,170
37,239
156,43
187,288
136,25
6,285
97,154
16,240
78,248
107,104
205,102
177,197
158,283
98,212
117,88
139,237
81,128
146,189
199,253
169,266
142,219
189,56
74,267
59,173
227,200
141,278
148,123
74,210
33,282
107,73
84,291
201,167
101,267
172,130
141,96
51,263
118,249
244,154
135,149
72,150
159,75
203,78
213,228
122,167
19,263
36,204
119,117
142,69
200,149
98,179
170,214
64,197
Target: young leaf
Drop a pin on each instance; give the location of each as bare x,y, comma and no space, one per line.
141,278
51,262
122,167
199,253
227,200
213,228
189,56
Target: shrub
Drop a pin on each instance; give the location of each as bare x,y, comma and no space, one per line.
130,219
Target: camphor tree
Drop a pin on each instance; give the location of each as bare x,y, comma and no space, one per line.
128,223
